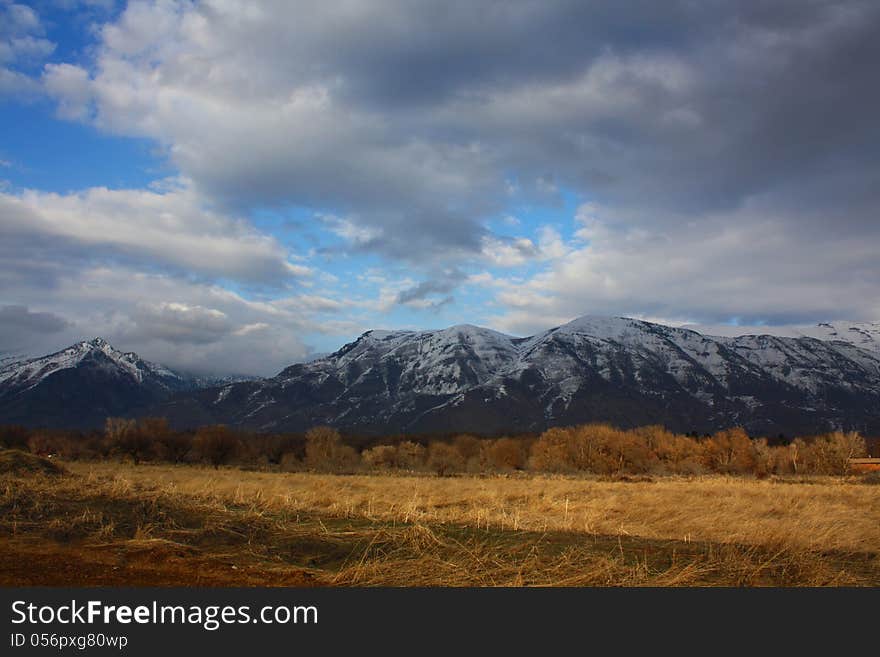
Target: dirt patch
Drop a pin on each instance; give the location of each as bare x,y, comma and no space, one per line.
26,562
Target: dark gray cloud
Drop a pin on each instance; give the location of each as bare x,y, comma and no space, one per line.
20,318
21,328
441,284
180,323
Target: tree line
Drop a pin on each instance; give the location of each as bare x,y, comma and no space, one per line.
590,448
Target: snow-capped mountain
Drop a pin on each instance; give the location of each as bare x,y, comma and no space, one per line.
861,334
83,384
625,371
28,373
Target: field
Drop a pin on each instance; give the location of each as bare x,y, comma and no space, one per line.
108,523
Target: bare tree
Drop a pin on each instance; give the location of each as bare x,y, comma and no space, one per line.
216,443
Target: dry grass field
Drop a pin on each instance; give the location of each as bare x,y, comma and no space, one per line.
110,523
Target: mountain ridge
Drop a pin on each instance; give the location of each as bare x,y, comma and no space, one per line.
468,378
627,371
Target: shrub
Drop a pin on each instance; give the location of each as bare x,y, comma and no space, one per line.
380,456
625,451
551,452
443,458
679,454
13,436
175,446
128,439
326,452
830,453
729,451
289,462
410,455
763,457
216,444
42,442
598,448
507,454
468,446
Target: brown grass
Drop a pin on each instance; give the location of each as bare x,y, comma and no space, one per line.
196,525
17,462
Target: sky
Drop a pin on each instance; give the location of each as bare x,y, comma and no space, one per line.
232,186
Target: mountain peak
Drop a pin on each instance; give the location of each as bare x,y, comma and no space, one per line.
601,326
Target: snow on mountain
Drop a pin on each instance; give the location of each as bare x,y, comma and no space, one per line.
865,335
467,378
28,373
83,384
197,381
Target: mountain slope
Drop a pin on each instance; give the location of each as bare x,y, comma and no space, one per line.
78,387
626,371
865,335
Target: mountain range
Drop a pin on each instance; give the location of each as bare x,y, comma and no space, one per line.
80,386
466,378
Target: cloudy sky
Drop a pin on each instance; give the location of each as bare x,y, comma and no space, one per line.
233,185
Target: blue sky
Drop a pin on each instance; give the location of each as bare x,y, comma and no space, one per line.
235,186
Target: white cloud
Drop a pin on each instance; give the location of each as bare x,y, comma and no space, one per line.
184,324
175,228
70,86
27,48
22,44
752,263
550,244
350,231
508,252
518,251
314,303
251,328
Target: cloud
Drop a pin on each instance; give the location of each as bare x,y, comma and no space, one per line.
415,124
517,251
418,295
175,228
508,252
179,323
755,264
354,235
155,271
314,303
728,150
187,325
22,46
70,86
19,325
